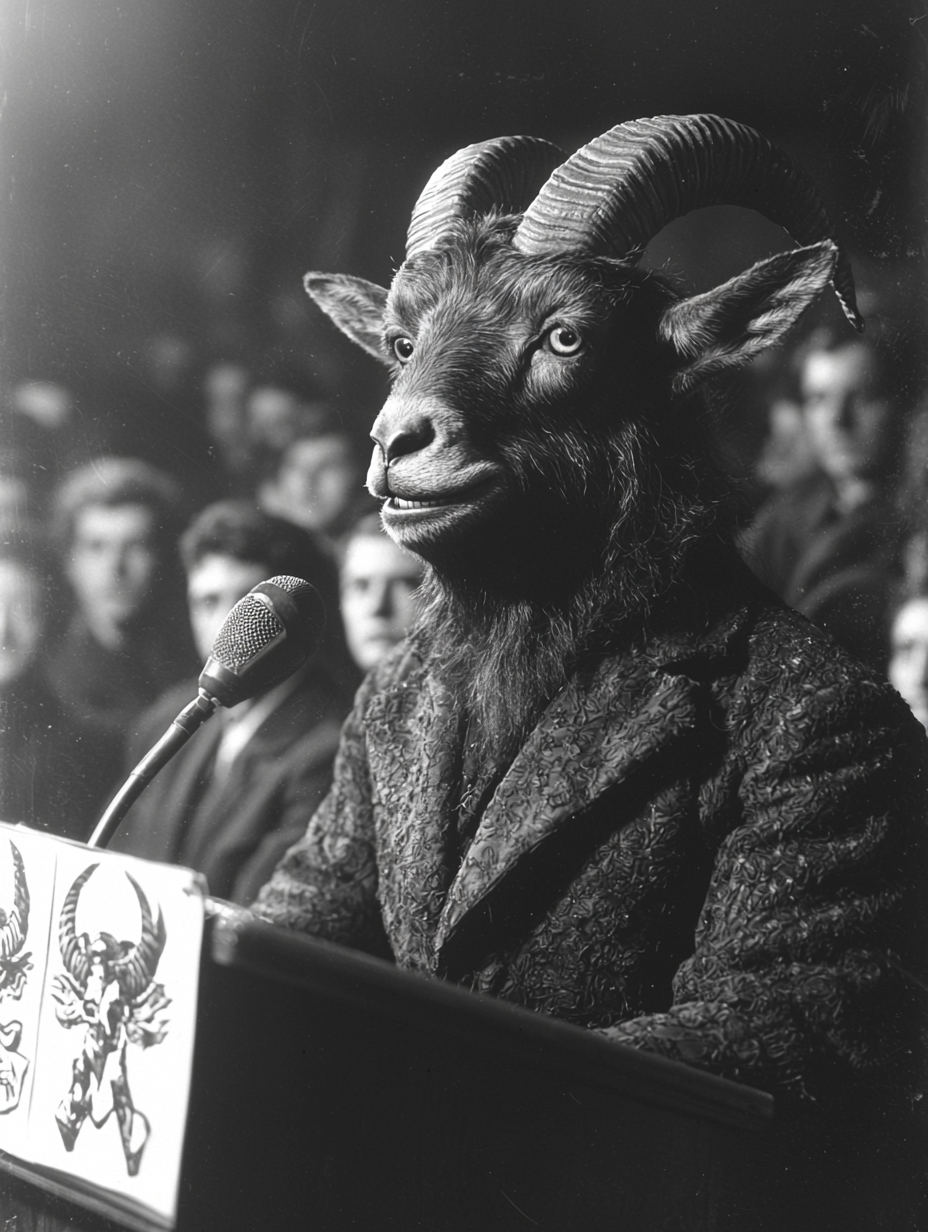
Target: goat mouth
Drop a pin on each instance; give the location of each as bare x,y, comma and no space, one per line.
403,508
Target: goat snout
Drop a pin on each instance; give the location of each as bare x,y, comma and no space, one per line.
398,432
402,433
422,451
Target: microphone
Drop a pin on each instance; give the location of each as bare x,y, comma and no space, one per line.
268,635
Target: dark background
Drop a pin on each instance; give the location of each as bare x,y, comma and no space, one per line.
171,167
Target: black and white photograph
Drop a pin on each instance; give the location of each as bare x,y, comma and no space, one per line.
503,429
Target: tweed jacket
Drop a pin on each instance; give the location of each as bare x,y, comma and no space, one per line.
708,847
235,827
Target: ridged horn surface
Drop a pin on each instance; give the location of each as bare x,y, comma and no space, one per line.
72,953
137,969
617,192
13,933
504,174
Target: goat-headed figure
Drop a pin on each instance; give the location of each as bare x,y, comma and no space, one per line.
611,779
543,446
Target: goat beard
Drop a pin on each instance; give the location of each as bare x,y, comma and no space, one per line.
596,542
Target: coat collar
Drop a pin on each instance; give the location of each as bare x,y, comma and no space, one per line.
605,729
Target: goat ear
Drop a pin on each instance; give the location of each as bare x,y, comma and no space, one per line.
355,305
729,325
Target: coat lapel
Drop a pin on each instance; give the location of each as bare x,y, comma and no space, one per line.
413,748
606,731
635,721
590,740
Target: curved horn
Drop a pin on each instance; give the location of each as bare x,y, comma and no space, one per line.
72,955
617,192
13,933
505,174
136,971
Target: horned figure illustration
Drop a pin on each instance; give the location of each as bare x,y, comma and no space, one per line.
14,964
108,988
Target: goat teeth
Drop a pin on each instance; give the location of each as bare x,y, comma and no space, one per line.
399,503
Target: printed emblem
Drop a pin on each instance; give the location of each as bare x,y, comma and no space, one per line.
108,988
14,924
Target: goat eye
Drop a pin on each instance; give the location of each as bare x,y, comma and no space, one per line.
403,349
563,340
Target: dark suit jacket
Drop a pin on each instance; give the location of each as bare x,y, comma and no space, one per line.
710,847
42,762
837,569
103,693
236,829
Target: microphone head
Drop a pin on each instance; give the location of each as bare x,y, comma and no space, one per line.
267,636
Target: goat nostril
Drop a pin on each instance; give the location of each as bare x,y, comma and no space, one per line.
409,440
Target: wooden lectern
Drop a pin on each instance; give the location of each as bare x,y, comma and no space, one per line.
333,1092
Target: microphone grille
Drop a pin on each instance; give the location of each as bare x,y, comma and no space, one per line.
249,627
289,584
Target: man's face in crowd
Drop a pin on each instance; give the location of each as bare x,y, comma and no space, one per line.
214,586
114,562
21,621
846,413
908,664
377,585
317,480
272,414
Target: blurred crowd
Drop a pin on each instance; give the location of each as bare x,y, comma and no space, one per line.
122,552
129,529
838,526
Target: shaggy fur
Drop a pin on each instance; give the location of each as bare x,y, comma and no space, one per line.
602,511
607,479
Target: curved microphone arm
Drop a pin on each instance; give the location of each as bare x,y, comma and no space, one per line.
193,716
269,634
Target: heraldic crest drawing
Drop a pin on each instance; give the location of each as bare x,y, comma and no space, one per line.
14,964
108,988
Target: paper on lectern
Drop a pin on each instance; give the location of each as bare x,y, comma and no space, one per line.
99,967
26,885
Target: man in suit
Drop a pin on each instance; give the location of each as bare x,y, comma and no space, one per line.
239,794
378,589
830,544
116,522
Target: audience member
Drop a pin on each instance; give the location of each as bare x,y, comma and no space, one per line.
116,522
41,779
785,458
830,544
378,589
908,652
912,500
318,483
282,404
242,791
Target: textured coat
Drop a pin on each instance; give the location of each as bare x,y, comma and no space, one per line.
706,847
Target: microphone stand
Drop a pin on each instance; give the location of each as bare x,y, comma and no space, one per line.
193,716
262,641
